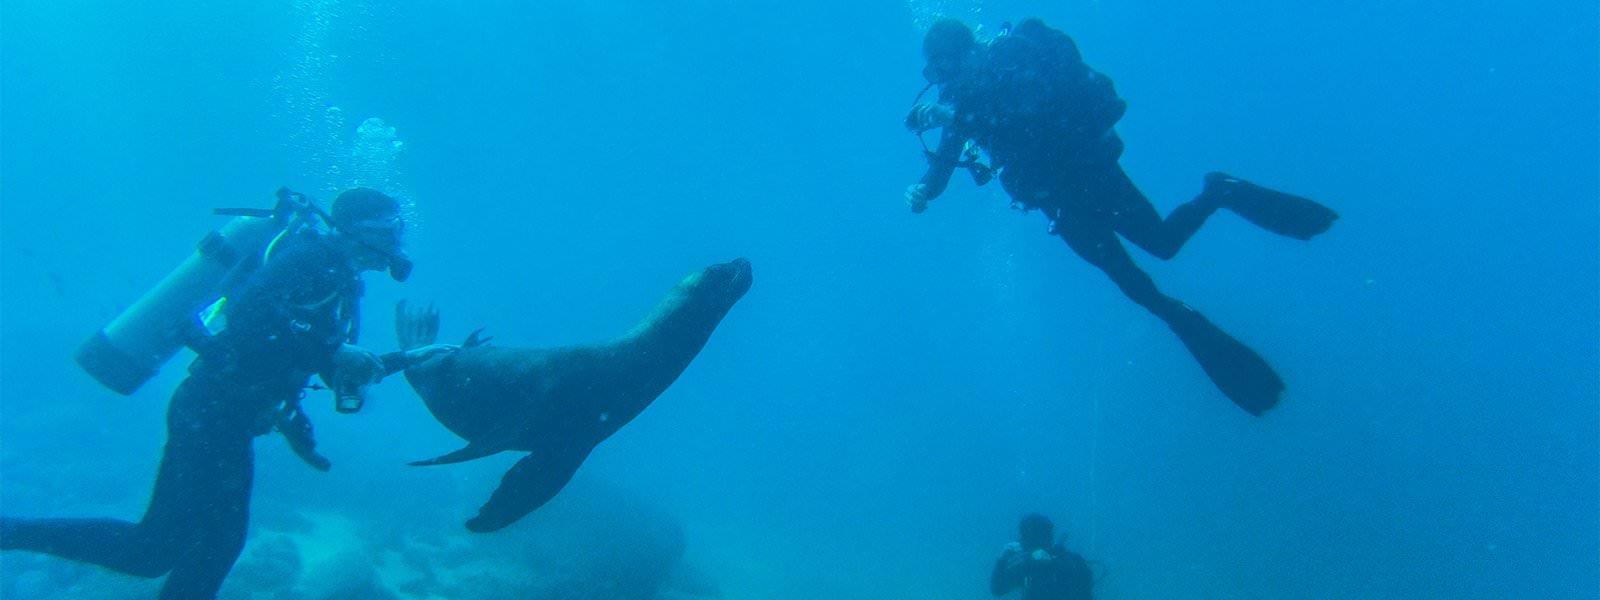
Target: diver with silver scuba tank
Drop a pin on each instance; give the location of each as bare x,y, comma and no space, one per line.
287,280
131,349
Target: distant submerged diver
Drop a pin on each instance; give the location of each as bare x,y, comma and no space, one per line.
1041,567
1046,120
557,404
293,317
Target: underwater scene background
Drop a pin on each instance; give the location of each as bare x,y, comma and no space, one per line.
896,389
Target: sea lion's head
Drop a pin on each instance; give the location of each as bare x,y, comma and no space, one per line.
727,281
698,303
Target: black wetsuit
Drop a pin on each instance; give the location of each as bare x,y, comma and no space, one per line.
1063,575
1046,120
285,326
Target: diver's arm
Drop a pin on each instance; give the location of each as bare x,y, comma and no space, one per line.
353,365
941,164
401,360
1008,571
394,362
388,364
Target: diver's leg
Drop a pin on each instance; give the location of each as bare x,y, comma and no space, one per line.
1094,240
111,543
1128,211
222,523
1242,375
150,547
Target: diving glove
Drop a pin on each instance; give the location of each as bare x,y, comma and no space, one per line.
296,429
917,197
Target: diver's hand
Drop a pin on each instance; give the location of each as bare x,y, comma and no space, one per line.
426,353
1042,556
297,430
1014,557
355,365
917,197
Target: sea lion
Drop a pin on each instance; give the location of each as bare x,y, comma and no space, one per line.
559,403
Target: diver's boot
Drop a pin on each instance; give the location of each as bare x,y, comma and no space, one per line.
1242,375
1281,213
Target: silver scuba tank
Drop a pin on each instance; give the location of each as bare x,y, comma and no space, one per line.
132,348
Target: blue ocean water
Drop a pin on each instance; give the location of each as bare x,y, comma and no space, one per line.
896,389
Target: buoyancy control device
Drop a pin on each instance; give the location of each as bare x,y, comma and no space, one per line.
131,349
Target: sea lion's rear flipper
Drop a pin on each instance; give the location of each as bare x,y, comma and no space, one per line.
415,328
473,450
529,484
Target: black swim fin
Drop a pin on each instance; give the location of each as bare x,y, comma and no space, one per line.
529,484
1242,375
1281,213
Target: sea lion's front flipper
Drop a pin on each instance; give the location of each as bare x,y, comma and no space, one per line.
415,328
529,484
473,450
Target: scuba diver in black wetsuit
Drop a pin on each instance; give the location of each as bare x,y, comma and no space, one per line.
1046,120
1041,567
294,316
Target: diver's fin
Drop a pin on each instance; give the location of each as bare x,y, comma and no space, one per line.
529,484
474,450
1242,375
1281,213
415,328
